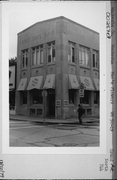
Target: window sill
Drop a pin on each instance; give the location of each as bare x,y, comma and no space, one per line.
23,69
86,105
95,69
52,63
72,63
71,104
37,66
86,67
36,105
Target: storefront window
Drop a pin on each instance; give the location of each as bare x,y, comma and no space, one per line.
96,97
37,97
71,96
84,56
51,52
86,98
23,97
71,53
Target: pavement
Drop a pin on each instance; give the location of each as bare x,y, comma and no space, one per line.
32,134
88,119
36,132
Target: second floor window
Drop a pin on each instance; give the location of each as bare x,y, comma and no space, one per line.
37,55
24,58
95,59
51,52
84,56
71,53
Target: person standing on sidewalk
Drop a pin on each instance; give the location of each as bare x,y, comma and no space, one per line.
80,113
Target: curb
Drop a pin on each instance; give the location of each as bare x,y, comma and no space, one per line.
47,121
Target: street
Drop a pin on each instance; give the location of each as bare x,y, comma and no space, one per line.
31,134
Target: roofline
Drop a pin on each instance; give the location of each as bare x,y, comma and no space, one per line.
60,17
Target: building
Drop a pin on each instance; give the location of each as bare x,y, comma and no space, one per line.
12,84
57,68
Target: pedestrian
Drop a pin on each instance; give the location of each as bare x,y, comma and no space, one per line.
80,113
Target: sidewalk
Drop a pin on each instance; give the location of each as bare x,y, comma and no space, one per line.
52,120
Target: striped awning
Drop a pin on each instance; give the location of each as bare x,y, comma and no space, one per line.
73,82
49,82
87,82
35,83
22,84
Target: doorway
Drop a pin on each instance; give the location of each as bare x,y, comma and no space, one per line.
51,103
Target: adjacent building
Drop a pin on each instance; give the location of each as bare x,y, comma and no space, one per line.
12,84
57,68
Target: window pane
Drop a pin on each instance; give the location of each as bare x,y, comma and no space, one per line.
71,96
93,60
38,56
86,98
73,54
96,97
41,56
23,59
80,56
26,60
37,97
97,60
24,97
83,57
34,57
69,52
51,52
87,58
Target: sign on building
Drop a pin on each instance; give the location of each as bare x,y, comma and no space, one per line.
81,90
11,77
58,102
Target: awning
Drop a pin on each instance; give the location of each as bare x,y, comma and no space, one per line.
96,82
87,82
22,84
49,82
35,83
73,82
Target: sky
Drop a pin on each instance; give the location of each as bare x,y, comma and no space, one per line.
22,15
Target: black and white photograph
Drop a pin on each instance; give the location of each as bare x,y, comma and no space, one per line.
55,101
56,89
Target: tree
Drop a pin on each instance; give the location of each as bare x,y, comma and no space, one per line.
12,61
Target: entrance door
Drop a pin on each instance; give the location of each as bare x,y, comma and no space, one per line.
51,103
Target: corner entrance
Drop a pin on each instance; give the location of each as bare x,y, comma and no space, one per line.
51,103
